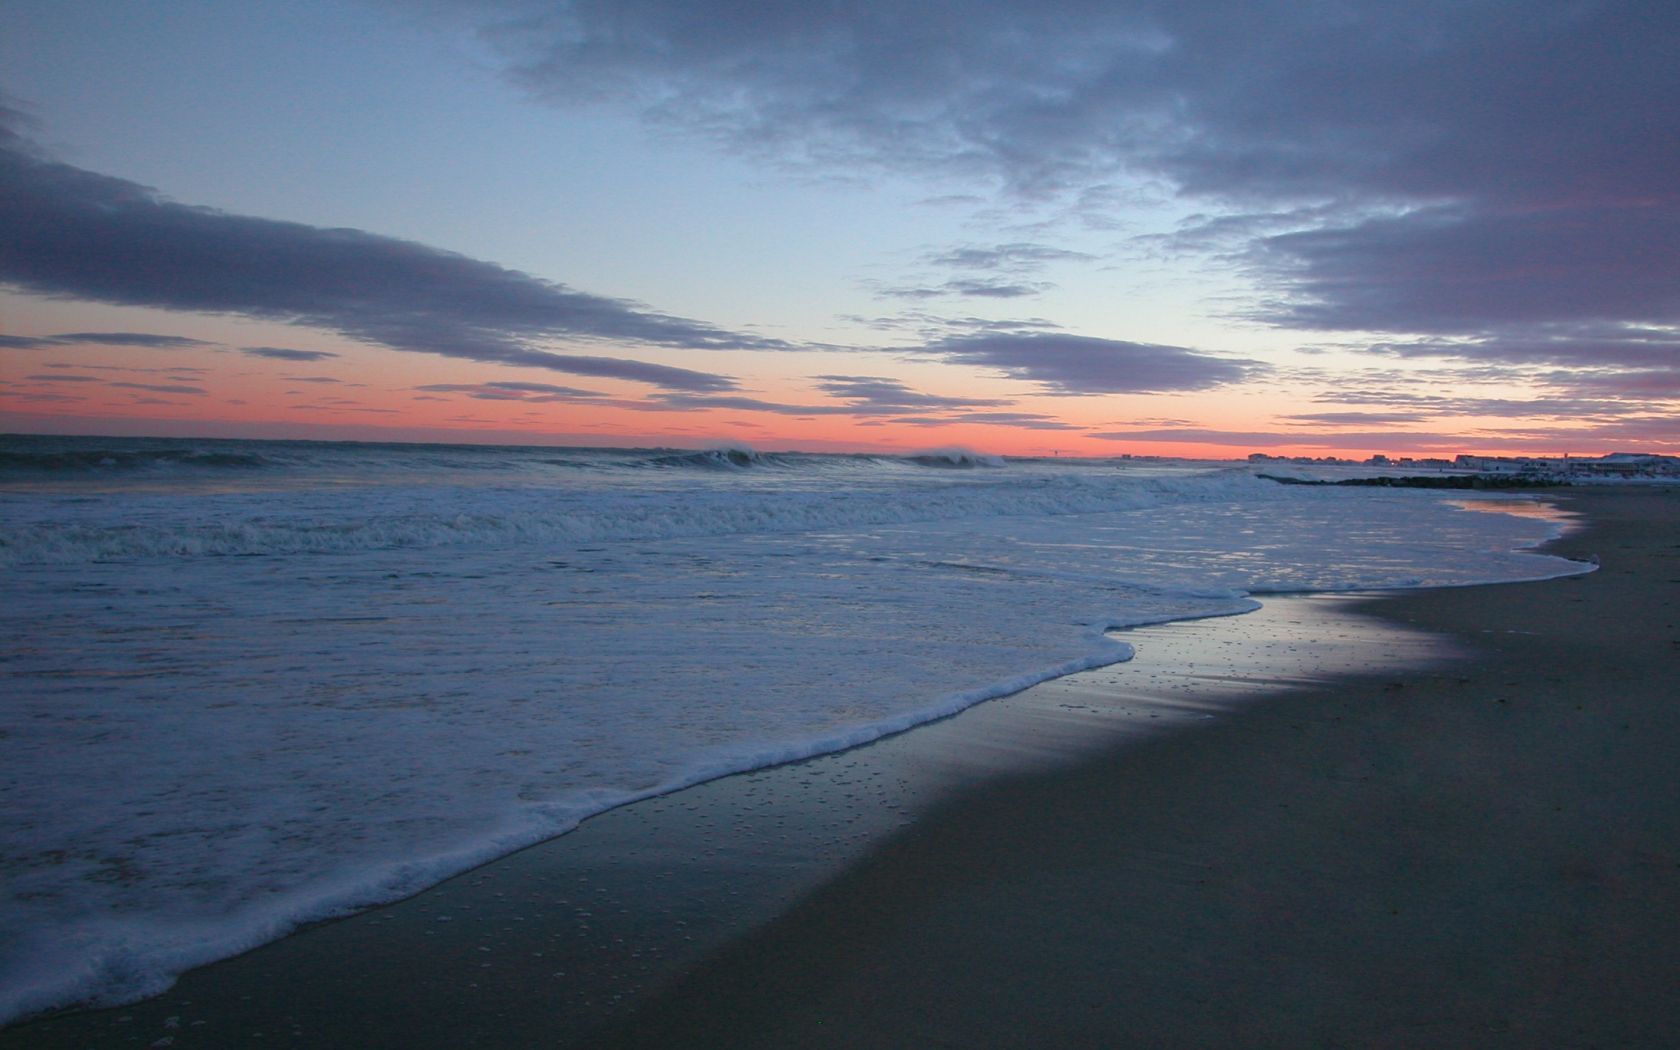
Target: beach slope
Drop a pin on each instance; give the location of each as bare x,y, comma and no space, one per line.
1485,853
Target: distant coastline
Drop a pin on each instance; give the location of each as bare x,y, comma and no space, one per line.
1435,481
1536,470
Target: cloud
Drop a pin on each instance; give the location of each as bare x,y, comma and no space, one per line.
1013,258
1581,396
146,339
1472,269
161,388
880,393
282,353
986,288
143,339
1655,432
1018,420
742,403
980,288
1437,167
872,399
69,232
512,391
980,88
1003,270
1392,440
1643,383
172,371
535,388
1599,344
1341,419
1259,99
1073,364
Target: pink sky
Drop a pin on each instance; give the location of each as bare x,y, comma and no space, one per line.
871,228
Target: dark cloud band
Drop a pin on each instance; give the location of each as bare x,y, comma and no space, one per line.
1071,364
140,339
69,232
1522,155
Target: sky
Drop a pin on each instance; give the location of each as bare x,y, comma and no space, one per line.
1079,227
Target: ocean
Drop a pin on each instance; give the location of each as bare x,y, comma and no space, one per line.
252,684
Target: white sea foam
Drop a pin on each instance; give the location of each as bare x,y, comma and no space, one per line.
332,675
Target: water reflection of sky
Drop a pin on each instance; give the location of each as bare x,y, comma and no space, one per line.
1520,506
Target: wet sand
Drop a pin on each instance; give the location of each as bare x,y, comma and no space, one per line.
1380,798
1482,854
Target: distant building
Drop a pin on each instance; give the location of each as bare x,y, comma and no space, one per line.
1614,465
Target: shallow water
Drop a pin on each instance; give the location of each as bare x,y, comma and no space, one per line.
545,944
253,684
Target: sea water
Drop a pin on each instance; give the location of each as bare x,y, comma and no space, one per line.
252,684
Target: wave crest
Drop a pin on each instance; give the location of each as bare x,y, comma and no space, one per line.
954,458
76,462
242,525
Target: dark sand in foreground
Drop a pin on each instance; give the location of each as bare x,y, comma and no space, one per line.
1378,847
1485,855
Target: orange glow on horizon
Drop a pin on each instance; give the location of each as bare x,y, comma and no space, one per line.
339,390
692,430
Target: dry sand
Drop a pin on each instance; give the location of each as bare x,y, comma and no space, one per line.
1382,851
1482,855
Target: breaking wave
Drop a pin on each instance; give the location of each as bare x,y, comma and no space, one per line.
954,459
77,462
246,524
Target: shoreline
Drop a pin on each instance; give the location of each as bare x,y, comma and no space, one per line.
1481,854
685,873
715,861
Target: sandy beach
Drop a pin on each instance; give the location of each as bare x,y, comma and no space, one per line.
1484,855
1440,818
